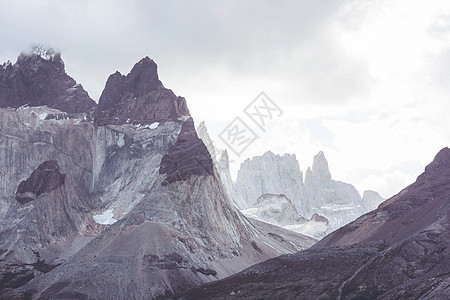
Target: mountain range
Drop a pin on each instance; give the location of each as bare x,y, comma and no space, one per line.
117,200
126,199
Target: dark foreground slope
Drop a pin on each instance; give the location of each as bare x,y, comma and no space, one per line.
399,251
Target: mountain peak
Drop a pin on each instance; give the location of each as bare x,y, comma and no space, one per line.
320,167
144,77
43,51
38,78
440,163
138,98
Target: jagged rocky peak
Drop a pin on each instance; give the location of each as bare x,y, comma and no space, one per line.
43,52
188,156
39,78
202,132
139,98
44,179
439,167
371,199
320,167
144,77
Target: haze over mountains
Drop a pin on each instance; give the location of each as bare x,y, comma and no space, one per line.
125,199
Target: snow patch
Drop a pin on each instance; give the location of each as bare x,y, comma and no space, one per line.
154,125
42,116
184,118
44,52
106,218
120,140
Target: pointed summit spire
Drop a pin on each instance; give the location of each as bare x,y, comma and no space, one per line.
139,98
320,167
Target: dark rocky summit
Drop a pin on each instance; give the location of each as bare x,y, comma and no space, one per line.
399,251
38,78
138,98
188,156
44,179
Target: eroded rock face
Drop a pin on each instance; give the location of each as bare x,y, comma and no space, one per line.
38,78
188,156
138,98
44,179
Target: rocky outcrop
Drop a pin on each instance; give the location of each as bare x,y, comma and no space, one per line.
138,98
188,156
398,251
371,200
38,78
320,167
44,179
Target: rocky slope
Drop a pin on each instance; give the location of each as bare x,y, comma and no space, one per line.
398,251
129,206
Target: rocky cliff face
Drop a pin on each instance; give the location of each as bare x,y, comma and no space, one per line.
45,175
398,251
271,173
188,156
38,78
129,206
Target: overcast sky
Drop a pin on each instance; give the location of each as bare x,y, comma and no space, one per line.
367,81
